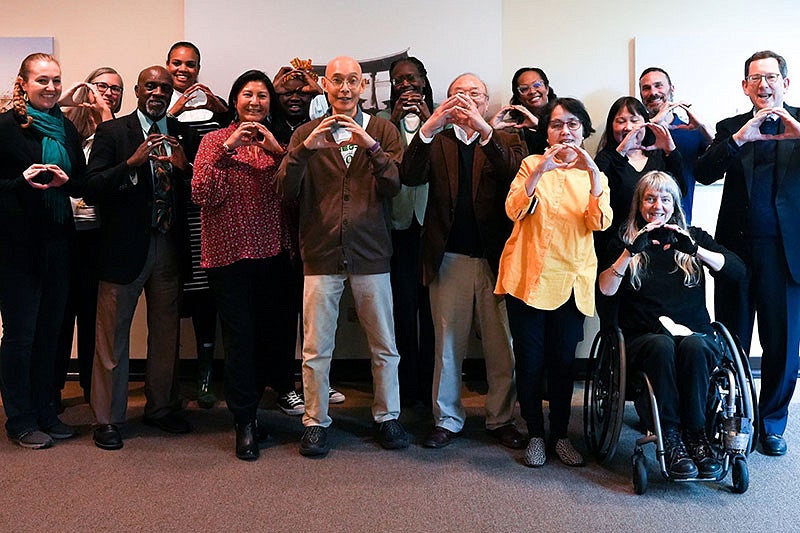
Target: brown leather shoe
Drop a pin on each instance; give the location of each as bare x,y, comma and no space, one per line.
439,437
509,437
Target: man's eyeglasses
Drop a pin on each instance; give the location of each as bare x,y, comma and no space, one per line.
474,94
103,87
525,89
756,78
410,78
352,82
557,125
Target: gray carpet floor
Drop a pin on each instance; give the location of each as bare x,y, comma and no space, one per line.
161,482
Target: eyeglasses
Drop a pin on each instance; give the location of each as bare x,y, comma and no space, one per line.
572,125
474,94
103,87
525,89
410,78
296,92
352,82
756,78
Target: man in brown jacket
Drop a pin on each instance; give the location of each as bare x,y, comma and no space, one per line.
342,169
470,168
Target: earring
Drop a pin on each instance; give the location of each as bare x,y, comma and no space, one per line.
25,97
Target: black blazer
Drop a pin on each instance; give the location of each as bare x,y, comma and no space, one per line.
124,198
24,219
724,158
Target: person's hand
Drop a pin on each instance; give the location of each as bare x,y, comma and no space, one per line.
664,115
465,114
583,161
281,77
681,240
440,117
177,158
751,131
791,128
359,136
265,140
321,136
409,102
499,121
549,161
644,239
244,135
663,138
75,95
57,179
632,141
142,153
184,101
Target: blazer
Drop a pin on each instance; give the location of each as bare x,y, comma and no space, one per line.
493,170
724,158
24,219
124,198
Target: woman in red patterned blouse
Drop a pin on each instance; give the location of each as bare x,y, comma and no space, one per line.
245,249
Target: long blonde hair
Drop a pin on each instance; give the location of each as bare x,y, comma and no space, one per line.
80,116
18,101
661,182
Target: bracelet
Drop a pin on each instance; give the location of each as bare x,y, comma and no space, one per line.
617,274
374,148
228,150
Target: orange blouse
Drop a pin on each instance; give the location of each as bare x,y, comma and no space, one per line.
550,252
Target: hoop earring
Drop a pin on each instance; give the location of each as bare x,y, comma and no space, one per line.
25,97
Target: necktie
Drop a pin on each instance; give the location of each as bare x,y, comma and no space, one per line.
163,212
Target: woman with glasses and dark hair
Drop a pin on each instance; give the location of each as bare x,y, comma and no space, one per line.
630,148
531,93
86,105
245,249
410,105
548,271
656,267
41,165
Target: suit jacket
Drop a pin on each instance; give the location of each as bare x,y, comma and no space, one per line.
124,198
724,158
493,169
24,218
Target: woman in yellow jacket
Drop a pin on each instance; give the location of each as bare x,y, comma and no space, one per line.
548,270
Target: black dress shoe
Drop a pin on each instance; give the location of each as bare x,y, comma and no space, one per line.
509,437
439,437
107,437
170,422
246,441
679,463
773,444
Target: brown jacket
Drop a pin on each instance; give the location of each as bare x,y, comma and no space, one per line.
493,170
345,226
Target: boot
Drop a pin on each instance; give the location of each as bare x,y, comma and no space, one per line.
205,363
679,463
702,454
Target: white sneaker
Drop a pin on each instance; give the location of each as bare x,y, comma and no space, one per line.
291,403
535,452
334,396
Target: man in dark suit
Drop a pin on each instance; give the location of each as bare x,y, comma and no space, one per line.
135,173
759,155
469,168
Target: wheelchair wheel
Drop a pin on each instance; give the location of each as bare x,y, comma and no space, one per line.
604,395
740,475
639,473
747,397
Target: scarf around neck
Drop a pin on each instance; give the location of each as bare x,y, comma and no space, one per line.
50,124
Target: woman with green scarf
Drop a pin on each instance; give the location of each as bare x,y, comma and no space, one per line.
41,165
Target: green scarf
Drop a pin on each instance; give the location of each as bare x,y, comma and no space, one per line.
54,152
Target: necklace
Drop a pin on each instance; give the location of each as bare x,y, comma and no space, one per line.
411,123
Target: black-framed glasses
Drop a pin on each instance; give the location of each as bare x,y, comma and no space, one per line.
103,87
525,89
756,78
572,125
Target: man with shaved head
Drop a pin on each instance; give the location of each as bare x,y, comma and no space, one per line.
469,168
342,169
135,171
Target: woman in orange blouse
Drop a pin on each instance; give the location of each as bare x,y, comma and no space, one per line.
548,270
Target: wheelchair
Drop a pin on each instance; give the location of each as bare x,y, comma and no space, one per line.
731,409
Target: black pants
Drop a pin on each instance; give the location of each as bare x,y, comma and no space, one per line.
252,301
32,300
545,340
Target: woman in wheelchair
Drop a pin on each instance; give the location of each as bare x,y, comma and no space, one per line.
657,268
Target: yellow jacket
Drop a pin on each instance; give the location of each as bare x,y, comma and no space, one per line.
550,252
